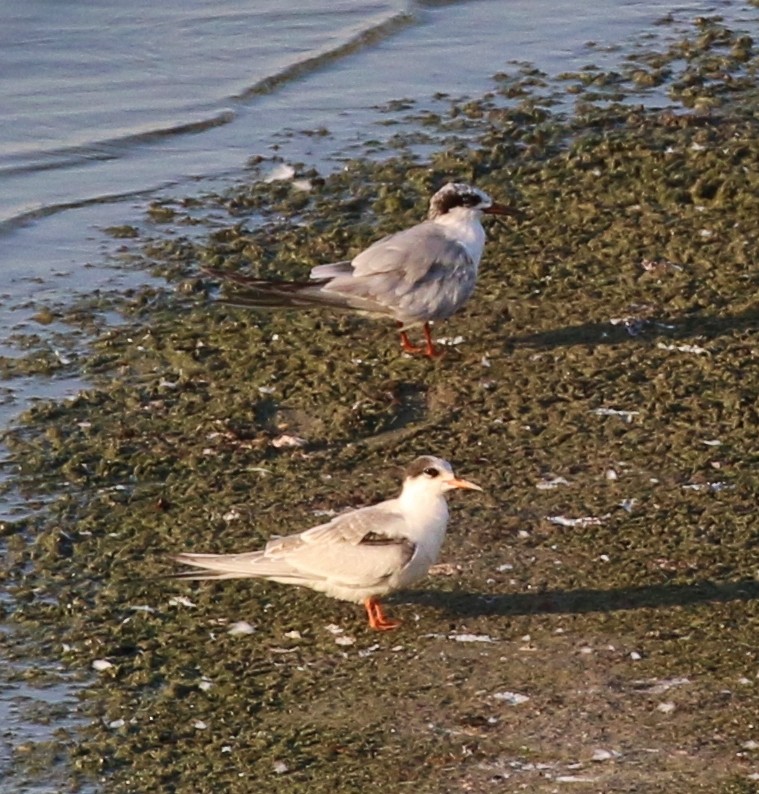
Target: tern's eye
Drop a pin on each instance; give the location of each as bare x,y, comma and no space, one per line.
431,471
470,199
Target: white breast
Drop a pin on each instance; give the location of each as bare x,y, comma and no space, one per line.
463,225
427,521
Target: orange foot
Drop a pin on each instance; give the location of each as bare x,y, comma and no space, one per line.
428,350
377,619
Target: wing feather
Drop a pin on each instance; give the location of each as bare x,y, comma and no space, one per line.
417,274
347,550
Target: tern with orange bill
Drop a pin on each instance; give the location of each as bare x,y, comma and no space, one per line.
360,555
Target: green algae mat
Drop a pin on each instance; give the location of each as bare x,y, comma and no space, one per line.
594,622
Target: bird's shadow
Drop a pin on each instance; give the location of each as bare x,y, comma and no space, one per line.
463,604
704,326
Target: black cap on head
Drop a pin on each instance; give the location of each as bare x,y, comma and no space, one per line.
457,194
423,464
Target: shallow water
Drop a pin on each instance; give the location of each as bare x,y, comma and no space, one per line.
32,712
99,105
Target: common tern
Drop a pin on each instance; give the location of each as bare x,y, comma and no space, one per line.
416,276
359,555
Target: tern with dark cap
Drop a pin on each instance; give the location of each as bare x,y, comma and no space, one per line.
359,555
416,276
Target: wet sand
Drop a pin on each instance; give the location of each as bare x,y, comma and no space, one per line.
595,619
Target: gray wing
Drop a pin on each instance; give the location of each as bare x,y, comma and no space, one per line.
356,549
418,274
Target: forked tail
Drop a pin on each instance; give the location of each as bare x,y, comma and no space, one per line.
276,294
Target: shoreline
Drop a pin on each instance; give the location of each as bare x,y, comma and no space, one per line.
652,583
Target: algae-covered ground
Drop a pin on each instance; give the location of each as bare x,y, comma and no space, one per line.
594,623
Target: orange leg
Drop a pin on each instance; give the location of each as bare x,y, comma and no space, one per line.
377,619
429,348
405,343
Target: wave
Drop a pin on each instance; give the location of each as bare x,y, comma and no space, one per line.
366,38
28,216
113,148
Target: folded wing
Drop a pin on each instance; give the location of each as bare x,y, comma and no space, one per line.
358,549
418,274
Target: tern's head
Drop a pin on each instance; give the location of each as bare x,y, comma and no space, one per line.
456,197
432,476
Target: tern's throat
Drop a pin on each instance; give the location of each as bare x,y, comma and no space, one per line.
425,511
463,225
